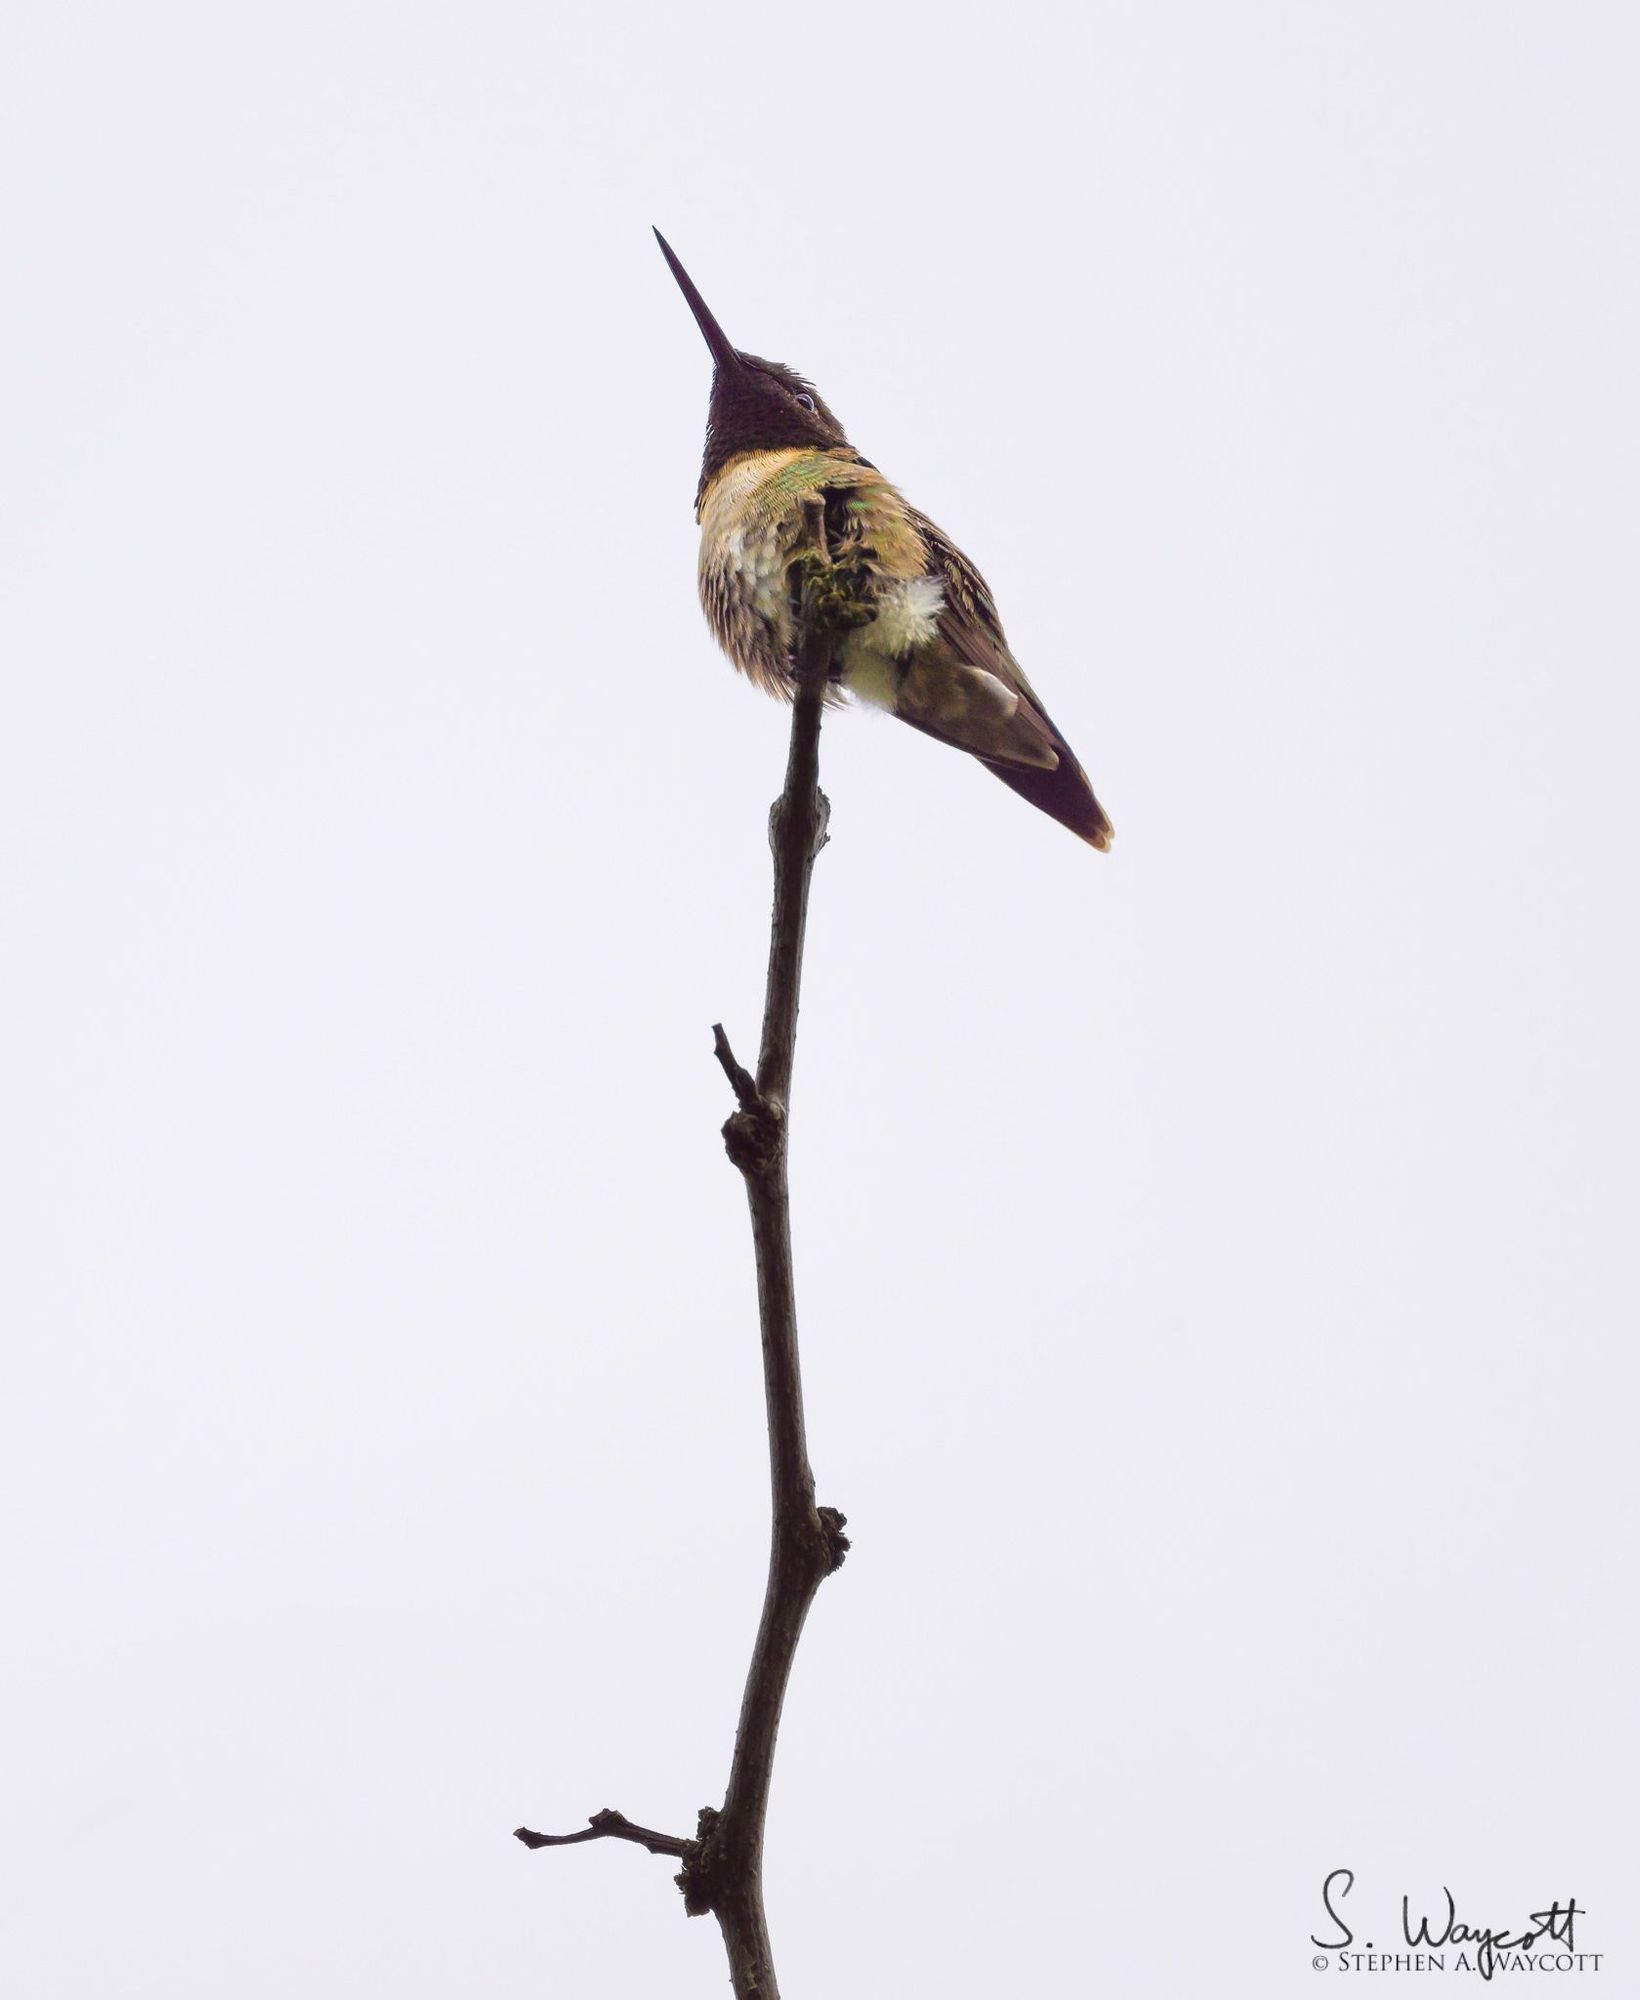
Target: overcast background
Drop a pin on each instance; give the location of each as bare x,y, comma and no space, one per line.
1216,1260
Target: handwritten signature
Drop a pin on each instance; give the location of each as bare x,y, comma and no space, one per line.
1487,1940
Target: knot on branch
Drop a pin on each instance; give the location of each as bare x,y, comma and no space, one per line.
752,1137
814,1545
816,810
697,1876
834,1543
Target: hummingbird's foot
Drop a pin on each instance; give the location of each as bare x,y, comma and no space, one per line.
832,596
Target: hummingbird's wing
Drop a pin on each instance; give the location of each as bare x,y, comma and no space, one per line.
970,626
1031,757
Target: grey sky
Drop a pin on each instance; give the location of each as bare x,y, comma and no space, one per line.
1216,1261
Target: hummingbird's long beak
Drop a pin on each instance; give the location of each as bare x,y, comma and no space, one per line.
716,339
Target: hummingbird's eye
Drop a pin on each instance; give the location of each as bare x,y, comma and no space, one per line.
806,401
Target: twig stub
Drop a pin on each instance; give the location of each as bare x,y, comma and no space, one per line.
741,1081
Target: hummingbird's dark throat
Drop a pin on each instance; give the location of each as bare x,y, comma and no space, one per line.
756,405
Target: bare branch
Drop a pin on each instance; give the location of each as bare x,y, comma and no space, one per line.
807,1542
609,1825
723,1865
797,832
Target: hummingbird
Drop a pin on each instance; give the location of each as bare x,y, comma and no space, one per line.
780,481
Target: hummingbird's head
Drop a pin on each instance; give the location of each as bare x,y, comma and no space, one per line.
756,405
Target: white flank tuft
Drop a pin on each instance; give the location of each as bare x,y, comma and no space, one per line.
906,616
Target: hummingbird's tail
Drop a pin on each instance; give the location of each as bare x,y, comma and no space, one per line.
1063,794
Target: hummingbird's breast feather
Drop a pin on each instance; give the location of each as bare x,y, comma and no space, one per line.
761,510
